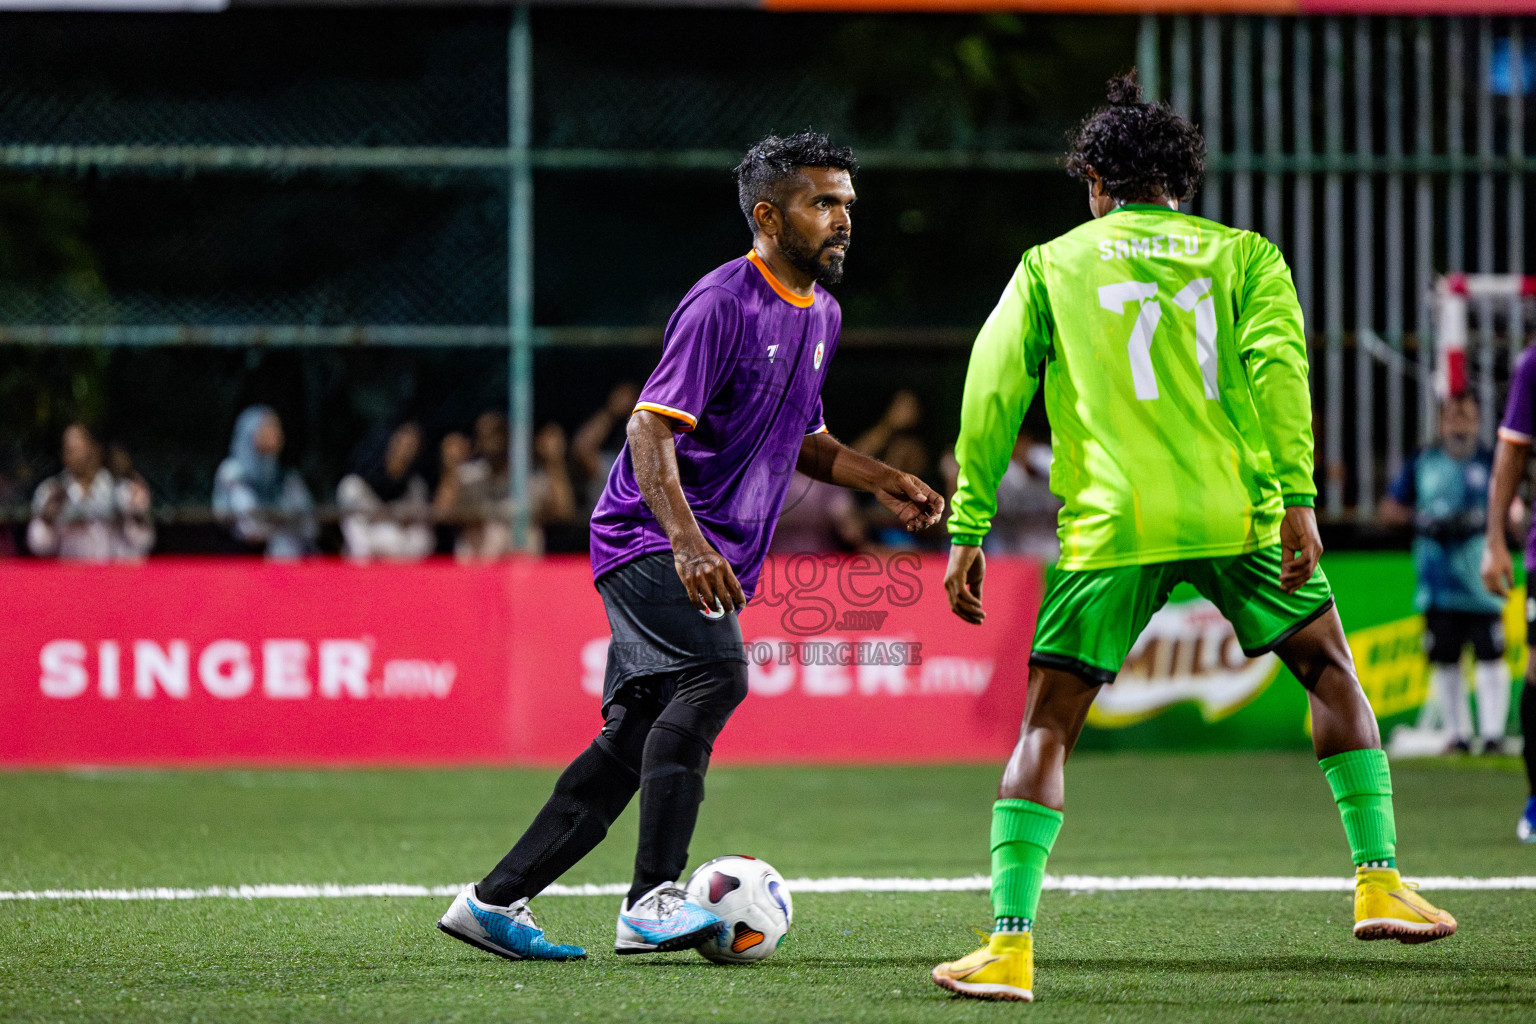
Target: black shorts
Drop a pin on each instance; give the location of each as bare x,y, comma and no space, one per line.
1447,633
657,632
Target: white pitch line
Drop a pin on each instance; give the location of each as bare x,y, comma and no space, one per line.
972,883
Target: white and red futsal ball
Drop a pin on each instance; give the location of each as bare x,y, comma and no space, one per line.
753,901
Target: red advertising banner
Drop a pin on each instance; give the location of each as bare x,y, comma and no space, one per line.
183,662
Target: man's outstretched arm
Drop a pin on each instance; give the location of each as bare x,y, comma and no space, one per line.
711,583
915,505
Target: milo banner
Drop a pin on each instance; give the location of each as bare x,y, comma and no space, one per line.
1187,684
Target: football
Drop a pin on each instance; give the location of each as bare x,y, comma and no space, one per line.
752,899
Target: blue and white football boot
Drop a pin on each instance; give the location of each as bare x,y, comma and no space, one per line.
1525,828
663,920
506,931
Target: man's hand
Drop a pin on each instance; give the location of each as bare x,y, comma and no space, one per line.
904,412
53,506
915,505
962,582
711,584
549,445
136,498
621,400
1498,571
1300,547
455,451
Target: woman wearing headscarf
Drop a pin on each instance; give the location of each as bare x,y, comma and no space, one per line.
267,508
386,509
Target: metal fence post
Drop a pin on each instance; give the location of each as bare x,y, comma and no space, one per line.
1242,125
1181,64
1396,381
1365,279
1148,44
1424,224
519,266
1274,141
1333,264
1301,113
1211,74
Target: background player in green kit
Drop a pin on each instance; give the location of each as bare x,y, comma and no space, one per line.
1175,374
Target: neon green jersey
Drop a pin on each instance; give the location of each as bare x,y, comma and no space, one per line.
1175,382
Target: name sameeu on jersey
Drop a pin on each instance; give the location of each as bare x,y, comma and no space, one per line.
1154,246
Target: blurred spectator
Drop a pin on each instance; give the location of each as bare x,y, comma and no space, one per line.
902,416
138,529
1443,492
386,508
1025,523
596,444
817,516
85,513
551,495
906,452
266,508
475,493
894,440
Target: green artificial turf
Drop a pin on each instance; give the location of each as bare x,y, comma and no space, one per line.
1129,956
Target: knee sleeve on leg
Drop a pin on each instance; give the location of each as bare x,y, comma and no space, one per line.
625,730
672,776
705,698
589,796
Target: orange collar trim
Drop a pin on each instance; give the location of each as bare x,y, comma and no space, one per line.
802,301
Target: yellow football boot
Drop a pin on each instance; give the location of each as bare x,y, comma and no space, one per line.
1002,969
1385,908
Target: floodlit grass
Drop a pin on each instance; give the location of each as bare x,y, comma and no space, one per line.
855,957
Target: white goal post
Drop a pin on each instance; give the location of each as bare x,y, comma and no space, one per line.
1455,296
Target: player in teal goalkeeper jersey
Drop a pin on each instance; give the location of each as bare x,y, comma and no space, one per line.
1171,353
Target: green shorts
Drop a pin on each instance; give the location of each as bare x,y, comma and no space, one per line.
1090,619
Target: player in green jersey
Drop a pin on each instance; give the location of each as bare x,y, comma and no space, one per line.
1175,373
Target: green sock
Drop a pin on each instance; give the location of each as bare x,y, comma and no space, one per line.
1022,836
1362,787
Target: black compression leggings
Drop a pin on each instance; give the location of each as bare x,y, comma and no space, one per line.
660,749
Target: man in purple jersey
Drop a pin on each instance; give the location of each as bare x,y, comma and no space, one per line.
678,541
1509,459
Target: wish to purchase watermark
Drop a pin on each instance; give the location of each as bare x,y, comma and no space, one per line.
835,652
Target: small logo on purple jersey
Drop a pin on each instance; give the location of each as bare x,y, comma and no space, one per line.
821,350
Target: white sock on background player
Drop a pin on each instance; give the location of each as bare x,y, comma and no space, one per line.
1455,704
1492,678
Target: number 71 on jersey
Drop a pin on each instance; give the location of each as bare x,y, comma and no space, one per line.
1194,297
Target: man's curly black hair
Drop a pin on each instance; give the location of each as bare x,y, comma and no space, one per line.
1142,152
774,162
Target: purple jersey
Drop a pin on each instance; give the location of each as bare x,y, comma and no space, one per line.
742,365
1519,424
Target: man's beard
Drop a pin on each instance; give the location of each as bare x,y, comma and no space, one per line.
805,255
